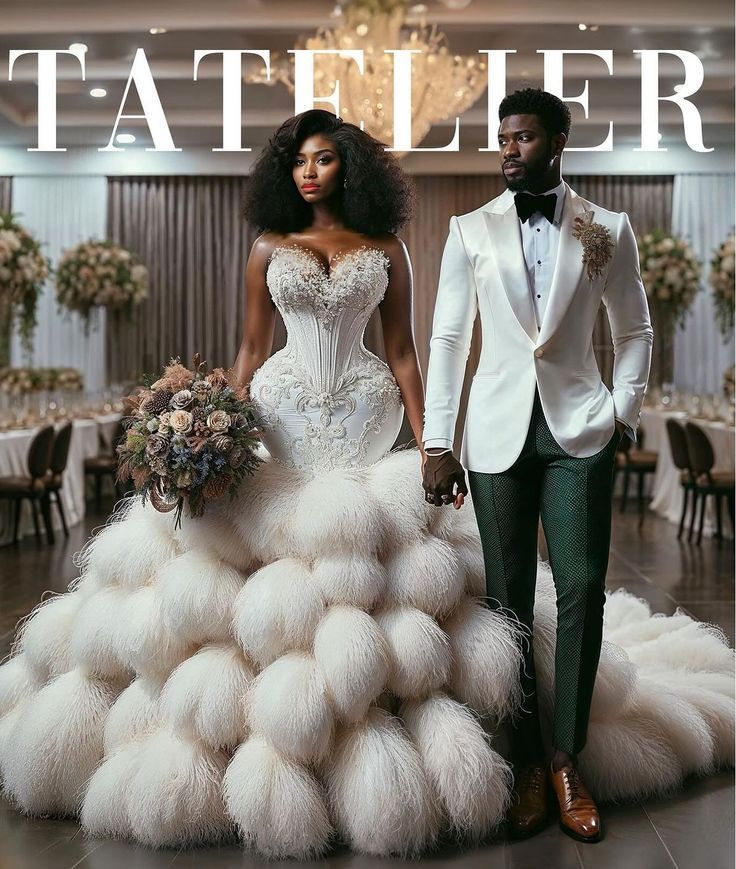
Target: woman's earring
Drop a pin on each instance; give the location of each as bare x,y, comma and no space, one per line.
345,184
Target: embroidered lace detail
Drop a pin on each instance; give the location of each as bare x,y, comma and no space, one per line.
296,276
325,401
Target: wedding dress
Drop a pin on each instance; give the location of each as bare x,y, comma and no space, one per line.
312,661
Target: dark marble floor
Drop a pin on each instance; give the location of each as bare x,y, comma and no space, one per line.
692,830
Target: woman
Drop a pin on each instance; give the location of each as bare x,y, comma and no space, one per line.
312,661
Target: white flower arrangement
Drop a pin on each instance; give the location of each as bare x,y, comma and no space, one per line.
23,381
670,272
99,274
23,270
722,281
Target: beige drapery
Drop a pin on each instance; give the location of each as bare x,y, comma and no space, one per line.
190,233
6,194
6,191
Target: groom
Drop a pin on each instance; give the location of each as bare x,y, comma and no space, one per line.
542,429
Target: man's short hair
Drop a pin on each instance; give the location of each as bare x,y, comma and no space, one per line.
553,114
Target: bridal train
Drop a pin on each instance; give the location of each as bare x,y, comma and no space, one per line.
313,661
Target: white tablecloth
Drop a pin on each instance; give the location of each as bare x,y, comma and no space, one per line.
667,493
13,462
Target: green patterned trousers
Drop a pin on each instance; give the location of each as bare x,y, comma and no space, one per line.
573,497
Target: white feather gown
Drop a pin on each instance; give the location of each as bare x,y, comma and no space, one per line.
313,660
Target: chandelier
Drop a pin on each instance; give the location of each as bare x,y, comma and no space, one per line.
444,85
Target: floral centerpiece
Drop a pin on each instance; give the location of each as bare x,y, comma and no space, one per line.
23,270
97,274
670,272
23,381
189,437
722,281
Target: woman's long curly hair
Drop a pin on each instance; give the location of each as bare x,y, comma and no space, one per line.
376,195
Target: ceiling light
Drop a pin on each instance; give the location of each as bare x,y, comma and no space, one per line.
582,26
125,138
154,31
77,46
593,27
98,92
418,9
452,83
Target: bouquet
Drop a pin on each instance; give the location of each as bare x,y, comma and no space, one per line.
23,270
189,437
670,272
722,281
100,274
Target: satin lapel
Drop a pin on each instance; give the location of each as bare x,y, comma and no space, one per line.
568,269
505,236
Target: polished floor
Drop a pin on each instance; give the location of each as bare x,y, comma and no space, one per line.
691,830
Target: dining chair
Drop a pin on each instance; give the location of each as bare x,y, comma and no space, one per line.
30,487
55,475
707,482
681,460
105,464
634,460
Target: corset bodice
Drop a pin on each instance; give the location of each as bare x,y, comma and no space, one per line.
325,400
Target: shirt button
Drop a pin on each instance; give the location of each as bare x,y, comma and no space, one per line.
538,229
539,262
539,352
538,296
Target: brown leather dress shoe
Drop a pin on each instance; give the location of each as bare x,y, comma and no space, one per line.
579,816
529,804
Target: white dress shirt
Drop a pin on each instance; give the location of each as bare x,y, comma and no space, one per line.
540,240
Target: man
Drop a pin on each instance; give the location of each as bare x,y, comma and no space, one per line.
542,429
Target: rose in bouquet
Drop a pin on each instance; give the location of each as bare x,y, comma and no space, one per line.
722,281
670,272
97,274
23,270
189,438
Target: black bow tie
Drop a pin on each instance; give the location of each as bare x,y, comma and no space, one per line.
527,204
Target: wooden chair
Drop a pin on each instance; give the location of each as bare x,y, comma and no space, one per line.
707,482
634,460
54,476
105,464
31,487
681,460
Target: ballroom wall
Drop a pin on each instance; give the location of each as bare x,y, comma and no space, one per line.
189,231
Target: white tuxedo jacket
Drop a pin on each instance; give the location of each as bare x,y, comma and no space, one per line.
483,270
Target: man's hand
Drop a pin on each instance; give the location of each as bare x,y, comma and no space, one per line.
441,474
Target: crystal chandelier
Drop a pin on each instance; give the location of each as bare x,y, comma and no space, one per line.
444,85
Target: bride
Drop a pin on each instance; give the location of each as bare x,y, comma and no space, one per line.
313,660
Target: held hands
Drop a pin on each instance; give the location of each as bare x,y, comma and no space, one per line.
440,475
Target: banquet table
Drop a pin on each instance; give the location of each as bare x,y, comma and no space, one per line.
85,442
666,491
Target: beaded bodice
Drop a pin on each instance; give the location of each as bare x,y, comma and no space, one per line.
325,400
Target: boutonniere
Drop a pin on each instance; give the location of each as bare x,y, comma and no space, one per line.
596,241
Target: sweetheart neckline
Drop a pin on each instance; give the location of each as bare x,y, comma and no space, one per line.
335,258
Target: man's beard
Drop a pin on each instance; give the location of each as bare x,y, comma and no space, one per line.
532,177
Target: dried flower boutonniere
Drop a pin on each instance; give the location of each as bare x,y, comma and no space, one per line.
596,241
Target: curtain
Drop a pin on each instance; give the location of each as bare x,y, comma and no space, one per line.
191,234
61,212
6,190
647,199
702,214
